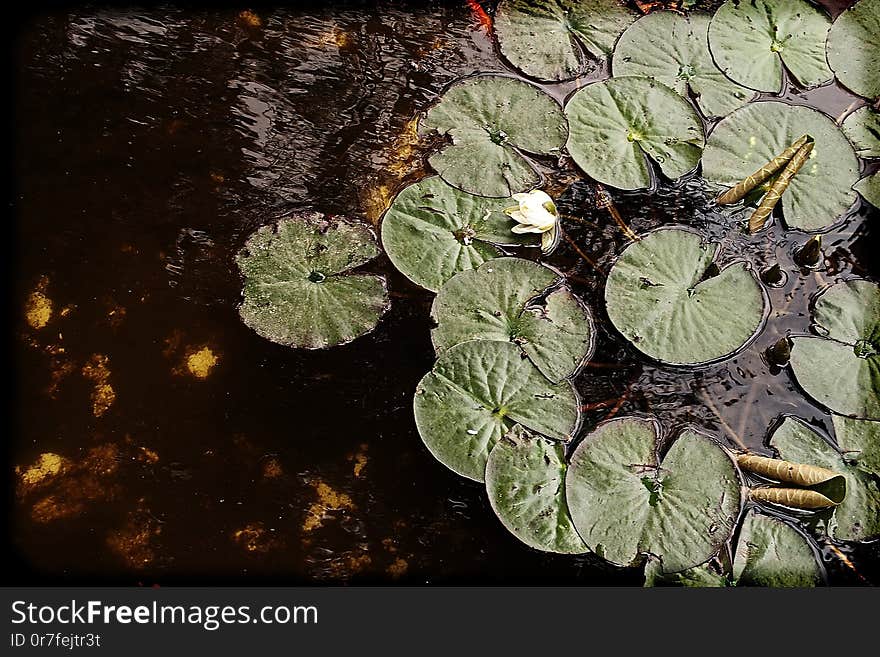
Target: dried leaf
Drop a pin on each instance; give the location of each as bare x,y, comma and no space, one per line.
796,498
741,189
759,216
786,471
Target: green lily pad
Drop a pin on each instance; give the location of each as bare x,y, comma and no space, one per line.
433,231
869,188
857,518
841,369
525,480
753,42
853,43
772,553
700,577
627,502
491,121
863,129
820,193
476,392
662,296
499,301
541,37
298,289
674,49
616,125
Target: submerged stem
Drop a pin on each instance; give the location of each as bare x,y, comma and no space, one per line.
604,200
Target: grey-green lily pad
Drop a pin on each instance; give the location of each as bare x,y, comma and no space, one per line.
840,367
772,553
869,188
298,286
674,49
433,231
754,42
525,481
857,517
541,37
702,576
476,392
858,441
863,129
820,193
491,122
627,502
667,297
504,299
617,126
853,44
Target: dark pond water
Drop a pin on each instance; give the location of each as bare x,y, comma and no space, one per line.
179,446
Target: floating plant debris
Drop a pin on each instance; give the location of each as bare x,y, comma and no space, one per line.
518,301
840,367
796,498
780,184
541,39
659,296
298,286
821,193
491,121
853,42
626,501
619,126
759,177
674,49
475,394
755,42
433,231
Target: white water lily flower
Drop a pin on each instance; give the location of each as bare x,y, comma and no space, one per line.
536,213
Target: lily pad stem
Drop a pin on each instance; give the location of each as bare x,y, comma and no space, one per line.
730,432
604,200
583,255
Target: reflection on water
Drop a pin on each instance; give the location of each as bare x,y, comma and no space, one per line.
159,439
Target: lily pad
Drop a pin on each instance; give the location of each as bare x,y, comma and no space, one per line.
772,553
863,129
857,518
500,301
753,42
663,294
841,369
627,502
476,392
820,193
491,121
702,576
541,37
859,441
869,188
298,286
674,49
433,231
525,480
853,44
616,125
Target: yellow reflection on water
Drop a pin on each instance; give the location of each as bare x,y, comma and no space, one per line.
38,307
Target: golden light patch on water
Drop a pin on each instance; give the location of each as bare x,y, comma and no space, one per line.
346,566
115,314
254,537
397,568
134,541
38,307
47,465
359,459
375,199
249,19
200,363
329,499
51,508
103,395
272,468
148,455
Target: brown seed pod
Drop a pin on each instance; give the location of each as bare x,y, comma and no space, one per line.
740,190
800,474
796,498
777,189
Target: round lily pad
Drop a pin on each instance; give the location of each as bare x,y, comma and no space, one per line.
476,392
700,577
433,231
820,193
668,298
857,517
772,553
753,42
616,125
626,502
863,129
840,367
858,441
525,480
869,188
541,37
518,301
674,49
491,121
853,44
298,286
